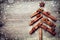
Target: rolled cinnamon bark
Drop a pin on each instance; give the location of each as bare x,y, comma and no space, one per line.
39,16
35,28
48,22
40,34
37,12
49,16
40,25
49,30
